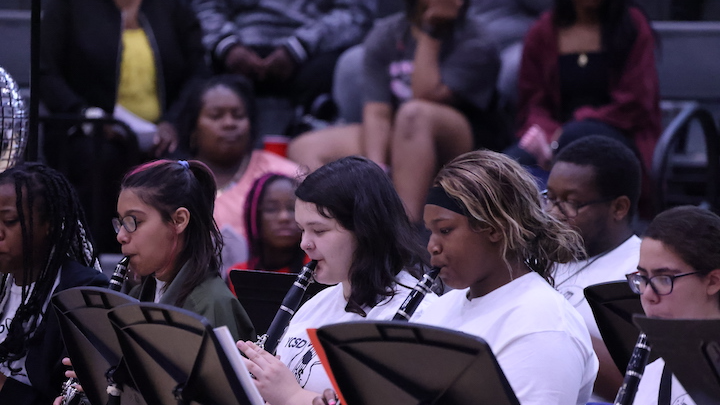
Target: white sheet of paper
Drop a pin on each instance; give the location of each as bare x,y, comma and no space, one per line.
144,130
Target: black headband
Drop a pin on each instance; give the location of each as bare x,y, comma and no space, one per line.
438,196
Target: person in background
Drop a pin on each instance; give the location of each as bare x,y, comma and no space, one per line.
127,59
594,186
286,48
496,246
273,235
429,87
678,277
166,228
588,68
364,243
217,127
46,248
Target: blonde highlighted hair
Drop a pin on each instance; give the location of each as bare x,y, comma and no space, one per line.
498,193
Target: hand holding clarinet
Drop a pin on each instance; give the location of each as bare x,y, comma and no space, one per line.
72,392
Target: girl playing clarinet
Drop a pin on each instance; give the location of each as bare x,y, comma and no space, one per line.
355,227
495,245
44,248
165,226
678,277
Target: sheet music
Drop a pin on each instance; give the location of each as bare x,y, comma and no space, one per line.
233,354
144,130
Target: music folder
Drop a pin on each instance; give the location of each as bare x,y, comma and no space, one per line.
91,341
261,293
403,363
613,305
691,349
176,357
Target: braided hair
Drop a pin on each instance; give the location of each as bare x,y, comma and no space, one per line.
253,221
44,195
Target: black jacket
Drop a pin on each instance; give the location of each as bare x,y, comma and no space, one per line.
81,51
43,361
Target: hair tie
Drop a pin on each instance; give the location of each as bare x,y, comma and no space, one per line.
438,196
184,164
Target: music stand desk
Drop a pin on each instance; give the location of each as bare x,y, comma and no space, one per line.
409,364
613,305
691,348
261,293
91,341
175,357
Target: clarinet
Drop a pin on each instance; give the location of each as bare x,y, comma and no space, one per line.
634,372
71,396
118,277
290,304
407,309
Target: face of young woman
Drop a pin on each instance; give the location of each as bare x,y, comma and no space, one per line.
325,240
223,127
277,213
154,245
11,246
466,257
692,297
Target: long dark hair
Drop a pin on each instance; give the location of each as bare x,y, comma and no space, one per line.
192,103
253,224
360,196
618,30
42,190
167,185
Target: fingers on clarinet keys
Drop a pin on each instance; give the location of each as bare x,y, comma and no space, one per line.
328,398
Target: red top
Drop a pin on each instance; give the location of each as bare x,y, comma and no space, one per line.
635,105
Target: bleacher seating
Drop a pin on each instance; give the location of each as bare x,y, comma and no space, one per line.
685,164
689,70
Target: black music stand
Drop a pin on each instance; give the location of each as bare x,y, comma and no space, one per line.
691,348
262,292
409,364
91,341
175,357
613,304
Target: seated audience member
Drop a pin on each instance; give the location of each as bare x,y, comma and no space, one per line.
136,55
46,249
594,186
355,226
504,22
287,48
678,278
124,58
216,126
273,234
588,68
166,228
496,246
429,87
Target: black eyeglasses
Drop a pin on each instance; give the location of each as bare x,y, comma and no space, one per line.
128,222
662,285
568,208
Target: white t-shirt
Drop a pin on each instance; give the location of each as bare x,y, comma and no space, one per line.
649,387
328,307
8,309
572,278
539,340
